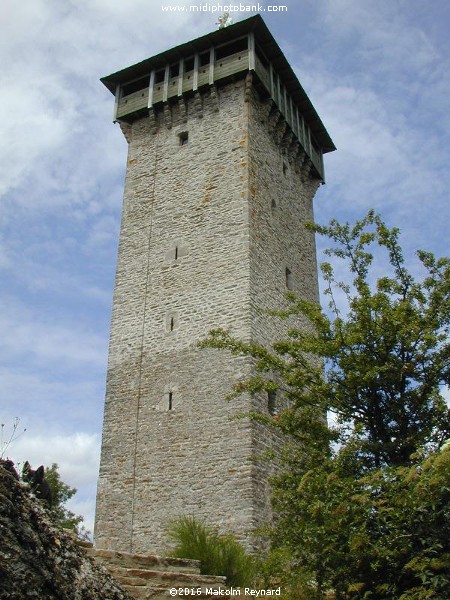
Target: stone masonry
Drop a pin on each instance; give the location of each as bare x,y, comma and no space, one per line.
212,231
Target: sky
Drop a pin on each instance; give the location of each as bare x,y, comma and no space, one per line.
378,74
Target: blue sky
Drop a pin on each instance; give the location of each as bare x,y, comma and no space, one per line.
378,74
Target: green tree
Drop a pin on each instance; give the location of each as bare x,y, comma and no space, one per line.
347,498
61,493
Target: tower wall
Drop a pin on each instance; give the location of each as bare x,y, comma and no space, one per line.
208,230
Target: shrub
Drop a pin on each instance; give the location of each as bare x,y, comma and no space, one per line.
218,554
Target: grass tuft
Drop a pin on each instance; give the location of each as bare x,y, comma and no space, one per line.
218,554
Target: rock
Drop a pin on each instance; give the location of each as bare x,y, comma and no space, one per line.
38,560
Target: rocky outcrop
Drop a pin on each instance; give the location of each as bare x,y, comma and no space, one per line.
38,560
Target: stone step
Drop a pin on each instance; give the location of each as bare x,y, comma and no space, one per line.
151,593
149,577
126,579
141,593
155,563
166,578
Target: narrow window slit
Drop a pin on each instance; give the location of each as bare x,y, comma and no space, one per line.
171,323
272,402
170,400
289,279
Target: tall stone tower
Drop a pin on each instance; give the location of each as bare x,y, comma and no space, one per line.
225,156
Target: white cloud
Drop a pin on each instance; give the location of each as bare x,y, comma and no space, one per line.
25,336
54,399
381,34
77,455
381,86
30,132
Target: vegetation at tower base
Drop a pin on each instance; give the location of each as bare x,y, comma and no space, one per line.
218,554
61,493
38,559
363,506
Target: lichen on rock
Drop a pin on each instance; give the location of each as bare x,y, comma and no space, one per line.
38,559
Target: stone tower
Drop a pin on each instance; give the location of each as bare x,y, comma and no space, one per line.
224,158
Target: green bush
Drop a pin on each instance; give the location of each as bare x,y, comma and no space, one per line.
218,554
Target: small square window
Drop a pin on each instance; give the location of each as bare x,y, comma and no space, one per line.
183,138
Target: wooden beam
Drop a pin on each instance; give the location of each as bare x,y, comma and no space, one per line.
251,51
278,91
166,83
180,77
297,121
286,112
116,102
211,66
272,89
322,165
291,113
196,65
150,89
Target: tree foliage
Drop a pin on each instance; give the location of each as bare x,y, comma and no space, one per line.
362,506
61,493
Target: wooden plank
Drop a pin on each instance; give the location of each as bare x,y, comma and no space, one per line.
187,81
230,65
173,87
227,69
131,103
158,94
203,77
